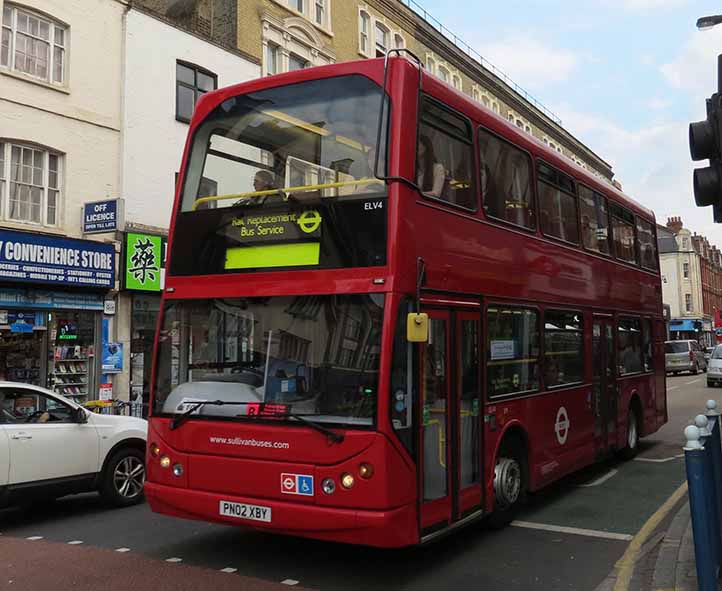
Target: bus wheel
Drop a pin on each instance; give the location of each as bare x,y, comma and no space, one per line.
509,484
630,450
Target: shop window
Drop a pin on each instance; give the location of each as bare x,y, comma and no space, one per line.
623,234
594,220
506,187
29,184
629,345
512,358
191,82
557,204
72,341
647,245
647,345
563,348
33,45
445,163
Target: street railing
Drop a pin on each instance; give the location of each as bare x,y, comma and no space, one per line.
703,458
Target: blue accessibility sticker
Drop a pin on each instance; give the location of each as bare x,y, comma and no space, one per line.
305,485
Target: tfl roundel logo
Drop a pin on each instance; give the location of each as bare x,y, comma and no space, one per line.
297,484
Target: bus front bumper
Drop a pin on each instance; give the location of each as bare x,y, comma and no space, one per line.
392,528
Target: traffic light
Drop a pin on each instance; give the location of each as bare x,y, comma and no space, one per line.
705,142
697,326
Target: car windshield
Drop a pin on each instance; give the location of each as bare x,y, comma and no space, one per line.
676,347
316,356
717,353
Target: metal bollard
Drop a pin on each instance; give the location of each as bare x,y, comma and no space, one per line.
715,449
702,502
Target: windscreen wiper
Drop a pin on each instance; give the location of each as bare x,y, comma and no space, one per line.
182,418
333,437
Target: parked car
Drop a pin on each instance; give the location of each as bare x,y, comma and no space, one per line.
708,353
714,369
684,356
51,446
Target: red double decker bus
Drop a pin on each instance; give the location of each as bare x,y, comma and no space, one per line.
389,313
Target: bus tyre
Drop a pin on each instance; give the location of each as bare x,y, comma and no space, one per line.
632,447
509,484
123,478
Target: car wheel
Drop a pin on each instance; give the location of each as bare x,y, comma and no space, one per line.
509,484
123,478
632,446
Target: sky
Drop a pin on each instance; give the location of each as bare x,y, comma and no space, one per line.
626,77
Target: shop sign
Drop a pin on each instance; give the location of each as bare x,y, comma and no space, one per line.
61,261
21,320
143,262
112,361
105,392
47,300
102,216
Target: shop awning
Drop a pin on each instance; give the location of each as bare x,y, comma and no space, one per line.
681,326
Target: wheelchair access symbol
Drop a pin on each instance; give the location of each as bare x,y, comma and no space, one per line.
309,221
297,484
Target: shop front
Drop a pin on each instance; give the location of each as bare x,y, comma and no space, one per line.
51,307
143,279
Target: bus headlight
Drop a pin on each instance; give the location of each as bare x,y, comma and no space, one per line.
328,486
347,480
164,462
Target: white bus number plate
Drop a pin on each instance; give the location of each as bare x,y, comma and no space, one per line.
244,511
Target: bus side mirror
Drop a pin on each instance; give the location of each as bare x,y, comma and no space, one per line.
417,328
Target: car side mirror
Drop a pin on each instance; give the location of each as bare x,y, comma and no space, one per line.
80,416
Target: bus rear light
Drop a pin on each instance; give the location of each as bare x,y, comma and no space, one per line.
164,462
347,480
328,486
366,471
154,450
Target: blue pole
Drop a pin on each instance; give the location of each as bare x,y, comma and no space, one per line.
715,448
704,546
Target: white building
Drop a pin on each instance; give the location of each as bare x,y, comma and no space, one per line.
60,133
165,70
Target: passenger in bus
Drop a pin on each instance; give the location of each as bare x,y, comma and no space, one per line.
430,173
262,181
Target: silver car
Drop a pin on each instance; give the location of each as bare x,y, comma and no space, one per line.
684,356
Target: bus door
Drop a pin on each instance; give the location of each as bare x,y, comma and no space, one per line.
450,468
604,384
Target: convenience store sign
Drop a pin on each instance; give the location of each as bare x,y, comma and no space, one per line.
60,261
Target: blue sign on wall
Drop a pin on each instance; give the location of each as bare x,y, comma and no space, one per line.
101,216
112,359
59,261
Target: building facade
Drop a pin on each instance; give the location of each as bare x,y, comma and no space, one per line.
684,281
711,272
60,122
292,34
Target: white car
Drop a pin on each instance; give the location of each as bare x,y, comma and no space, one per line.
50,447
714,369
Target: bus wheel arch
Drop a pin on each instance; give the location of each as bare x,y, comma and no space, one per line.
511,476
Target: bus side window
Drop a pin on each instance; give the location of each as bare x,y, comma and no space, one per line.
623,234
647,345
629,345
595,220
402,382
647,245
506,181
444,156
557,204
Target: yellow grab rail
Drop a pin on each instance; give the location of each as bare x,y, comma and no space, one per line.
284,191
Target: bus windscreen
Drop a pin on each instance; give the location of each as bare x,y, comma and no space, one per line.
284,178
315,356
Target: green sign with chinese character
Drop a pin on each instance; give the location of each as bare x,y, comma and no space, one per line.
143,261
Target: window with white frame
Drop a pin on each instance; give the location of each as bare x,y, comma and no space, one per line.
399,41
29,184
315,11
431,64
364,25
272,59
381,34
688,302
296,62
476,95
33,45
320,12
443,73
456,81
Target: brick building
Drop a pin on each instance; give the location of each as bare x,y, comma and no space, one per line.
285,35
